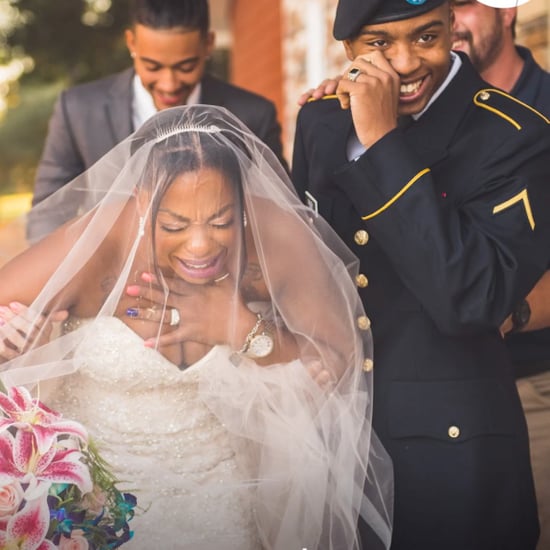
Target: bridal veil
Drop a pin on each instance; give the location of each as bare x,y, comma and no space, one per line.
315,463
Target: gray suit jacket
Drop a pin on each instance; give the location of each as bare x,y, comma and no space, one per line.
90,119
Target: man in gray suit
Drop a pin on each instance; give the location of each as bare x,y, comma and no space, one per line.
170,42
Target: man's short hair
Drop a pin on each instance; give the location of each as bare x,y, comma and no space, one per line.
169,14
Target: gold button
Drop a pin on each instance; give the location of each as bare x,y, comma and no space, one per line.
454,432
362,281
361,237
363,322
368,365
484,96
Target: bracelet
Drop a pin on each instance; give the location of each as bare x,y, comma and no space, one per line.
251,334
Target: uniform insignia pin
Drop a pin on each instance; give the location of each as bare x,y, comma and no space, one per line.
312,202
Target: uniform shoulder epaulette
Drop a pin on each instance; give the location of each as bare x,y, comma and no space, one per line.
329,96
508,107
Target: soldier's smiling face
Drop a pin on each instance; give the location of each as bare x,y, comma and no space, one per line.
418,49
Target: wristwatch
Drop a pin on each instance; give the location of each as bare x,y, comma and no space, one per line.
261,345
258,345
520,316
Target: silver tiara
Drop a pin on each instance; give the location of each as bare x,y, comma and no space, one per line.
182,128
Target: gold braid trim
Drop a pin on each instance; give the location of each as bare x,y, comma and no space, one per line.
483,95
329,96
522,197
397,195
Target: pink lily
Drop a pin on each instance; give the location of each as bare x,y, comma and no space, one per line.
27,529
26,413
20,460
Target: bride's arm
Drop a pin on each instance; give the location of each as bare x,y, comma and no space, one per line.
24,277
22,280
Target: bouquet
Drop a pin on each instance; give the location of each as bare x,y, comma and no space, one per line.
55,489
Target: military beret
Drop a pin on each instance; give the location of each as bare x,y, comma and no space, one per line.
351,15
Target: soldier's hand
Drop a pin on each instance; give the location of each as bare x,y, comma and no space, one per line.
370,88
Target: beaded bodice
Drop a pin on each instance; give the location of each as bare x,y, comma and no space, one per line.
151,425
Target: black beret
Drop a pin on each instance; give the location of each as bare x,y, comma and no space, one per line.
351,15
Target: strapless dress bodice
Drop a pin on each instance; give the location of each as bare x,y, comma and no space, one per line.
162,441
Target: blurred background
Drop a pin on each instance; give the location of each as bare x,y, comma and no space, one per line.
278,48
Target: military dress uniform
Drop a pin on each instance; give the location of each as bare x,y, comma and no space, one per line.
449,219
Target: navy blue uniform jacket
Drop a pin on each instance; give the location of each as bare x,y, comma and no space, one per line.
449,219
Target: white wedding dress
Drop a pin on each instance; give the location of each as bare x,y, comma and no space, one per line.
162,441
220,455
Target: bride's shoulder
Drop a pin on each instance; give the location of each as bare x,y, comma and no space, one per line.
103,268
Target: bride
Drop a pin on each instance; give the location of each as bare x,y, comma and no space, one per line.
214,343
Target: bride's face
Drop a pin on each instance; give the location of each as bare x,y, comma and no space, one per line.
197,231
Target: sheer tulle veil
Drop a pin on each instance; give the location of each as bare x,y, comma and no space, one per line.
315,462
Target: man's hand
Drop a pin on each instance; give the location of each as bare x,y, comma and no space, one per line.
321,375
327,87
20,328
373,97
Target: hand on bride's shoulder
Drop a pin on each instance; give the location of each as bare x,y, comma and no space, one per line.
21,328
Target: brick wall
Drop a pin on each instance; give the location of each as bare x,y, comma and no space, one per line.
256,58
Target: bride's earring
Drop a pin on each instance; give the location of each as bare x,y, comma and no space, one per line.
141,226
245,220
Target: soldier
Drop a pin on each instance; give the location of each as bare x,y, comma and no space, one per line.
447,213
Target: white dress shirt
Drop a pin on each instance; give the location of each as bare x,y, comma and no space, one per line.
143,106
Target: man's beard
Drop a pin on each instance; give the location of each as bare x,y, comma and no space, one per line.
483,54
